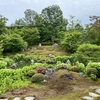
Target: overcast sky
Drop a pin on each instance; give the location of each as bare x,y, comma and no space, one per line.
82,9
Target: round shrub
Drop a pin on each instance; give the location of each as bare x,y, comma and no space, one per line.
31,73
37,78
74,68
90,71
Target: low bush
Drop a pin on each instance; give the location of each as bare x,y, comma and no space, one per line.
8,61
81,67
75,69
95,65
90,71
3,64
87,52
37,78
19,57
31,73
93,77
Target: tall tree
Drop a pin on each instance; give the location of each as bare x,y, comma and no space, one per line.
53,17
30,16
3,21
93,30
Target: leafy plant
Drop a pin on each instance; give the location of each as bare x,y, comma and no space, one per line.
93,77
31,73
19,57
3,64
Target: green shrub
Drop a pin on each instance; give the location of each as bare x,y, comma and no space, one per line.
90,71
87,52
75,69
81,67
19,57
8,61
31,73
71,41
94,65
65,59
93,77
3,64
37,78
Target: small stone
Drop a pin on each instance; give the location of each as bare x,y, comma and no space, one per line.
87,98
98,91
29,98
16,98
93,94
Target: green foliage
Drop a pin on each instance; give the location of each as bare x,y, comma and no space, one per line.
13,43
95,65
87,52
65,59
90,71
31,73
19,57
81,67
93,77
2,24
93,30
37,78
71,41
8,61
31,35
3,64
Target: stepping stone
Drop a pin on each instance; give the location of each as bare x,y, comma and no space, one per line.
87,98
29,98
16,98
3,99
93,94
98,91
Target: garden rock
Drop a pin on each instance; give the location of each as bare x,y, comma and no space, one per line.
34,48
14,66
93,94
67,76
16,98
81,74
32,62
40,45
62,67
49,72
55,44
87,98
29,98
98,91
51,55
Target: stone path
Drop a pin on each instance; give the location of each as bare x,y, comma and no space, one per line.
18,98
92,96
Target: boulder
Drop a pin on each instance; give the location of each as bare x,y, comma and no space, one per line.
67,76
49,72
